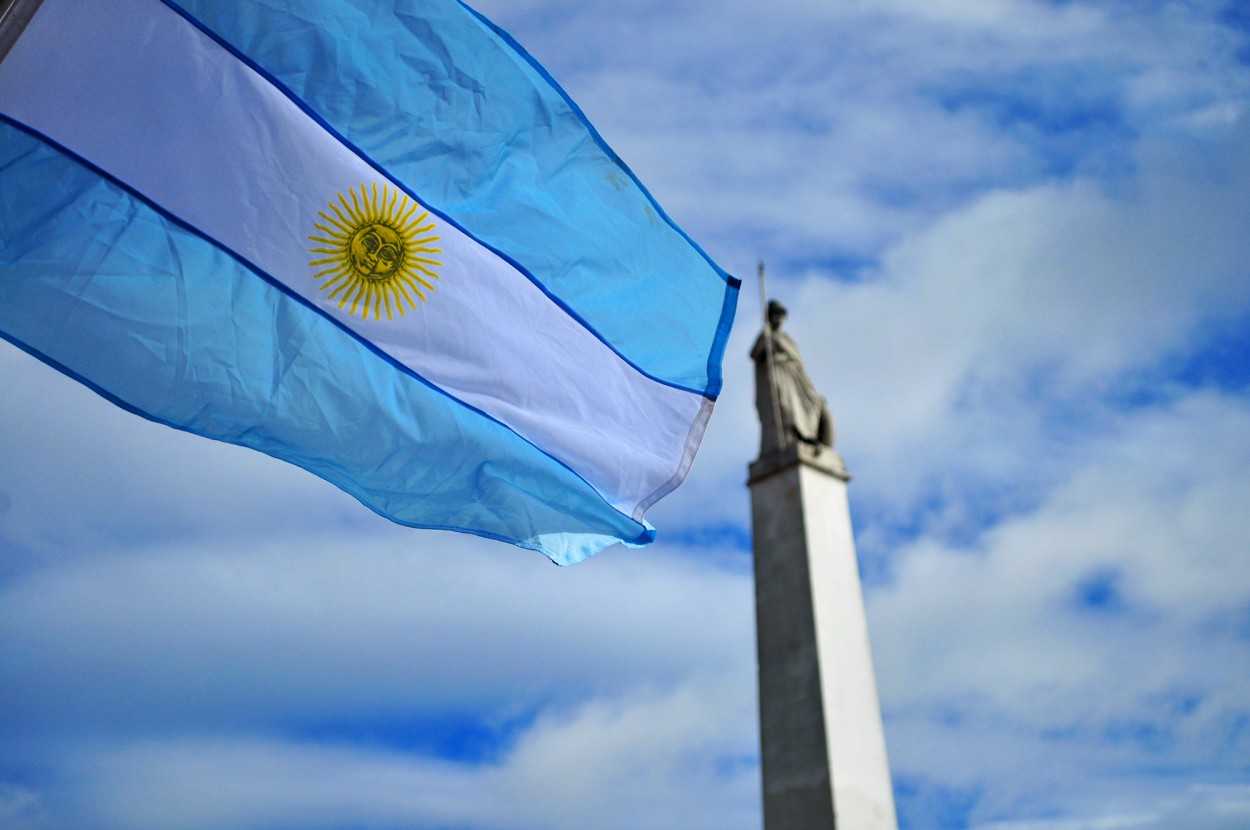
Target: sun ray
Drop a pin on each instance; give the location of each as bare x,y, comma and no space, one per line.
416,225
357,291
343,292
338,283
338,236
411,281
347,223
406,212
337,269
343,286
402,288
335,280
353,210
428,285
343,228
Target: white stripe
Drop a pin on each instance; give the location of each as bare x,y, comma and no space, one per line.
138,91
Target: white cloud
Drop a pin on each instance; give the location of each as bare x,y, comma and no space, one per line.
983,650
663,760
305,631
671,761
1198,807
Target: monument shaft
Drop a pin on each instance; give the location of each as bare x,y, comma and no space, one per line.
823,752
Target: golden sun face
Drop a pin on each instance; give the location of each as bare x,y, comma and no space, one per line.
377,252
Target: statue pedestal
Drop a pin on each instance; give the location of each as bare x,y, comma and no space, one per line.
823,758
825,459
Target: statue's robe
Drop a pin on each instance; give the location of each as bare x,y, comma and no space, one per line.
804,414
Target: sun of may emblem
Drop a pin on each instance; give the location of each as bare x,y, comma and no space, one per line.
377,251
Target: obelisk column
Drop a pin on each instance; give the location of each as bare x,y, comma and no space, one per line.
823,758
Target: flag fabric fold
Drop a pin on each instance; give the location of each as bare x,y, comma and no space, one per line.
375,240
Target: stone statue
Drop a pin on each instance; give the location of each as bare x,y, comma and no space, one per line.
784,391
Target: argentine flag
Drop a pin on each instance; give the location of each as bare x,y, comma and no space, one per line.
370,237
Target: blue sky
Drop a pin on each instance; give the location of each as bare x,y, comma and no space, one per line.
1012,237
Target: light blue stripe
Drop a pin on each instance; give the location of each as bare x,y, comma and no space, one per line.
468,121
99,285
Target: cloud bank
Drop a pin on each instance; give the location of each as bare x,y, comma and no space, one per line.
1010,237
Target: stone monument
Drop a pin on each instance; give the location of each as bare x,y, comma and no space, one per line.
822,746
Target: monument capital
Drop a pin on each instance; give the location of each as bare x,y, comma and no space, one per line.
825,459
